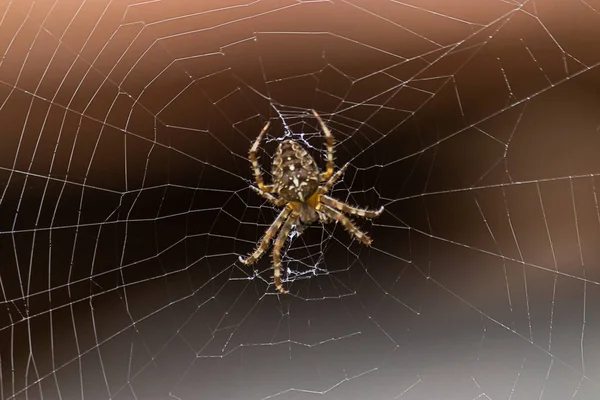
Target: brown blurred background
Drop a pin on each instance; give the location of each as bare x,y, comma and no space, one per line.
125,200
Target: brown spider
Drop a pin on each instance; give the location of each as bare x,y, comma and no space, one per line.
296,180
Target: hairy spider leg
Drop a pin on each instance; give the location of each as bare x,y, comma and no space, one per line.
272,199
269,234
279,242
329,143
254,160
348,209
334,178
346,223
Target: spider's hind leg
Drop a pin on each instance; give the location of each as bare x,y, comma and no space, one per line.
329,142
254,161
272,199
334,178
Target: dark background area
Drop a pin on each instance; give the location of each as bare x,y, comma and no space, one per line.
125,200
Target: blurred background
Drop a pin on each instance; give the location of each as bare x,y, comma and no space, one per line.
125,199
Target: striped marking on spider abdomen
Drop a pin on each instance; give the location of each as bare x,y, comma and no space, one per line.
295,172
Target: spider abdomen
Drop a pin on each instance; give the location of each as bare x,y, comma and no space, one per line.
295,172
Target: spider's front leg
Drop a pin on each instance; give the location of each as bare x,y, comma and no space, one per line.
346,223
348,209
279,242
341,206
270,234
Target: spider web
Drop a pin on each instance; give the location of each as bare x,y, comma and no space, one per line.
125,200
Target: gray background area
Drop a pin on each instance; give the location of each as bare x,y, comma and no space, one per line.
125,200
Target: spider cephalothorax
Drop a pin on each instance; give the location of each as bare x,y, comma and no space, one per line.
296,180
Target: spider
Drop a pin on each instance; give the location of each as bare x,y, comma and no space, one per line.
296,181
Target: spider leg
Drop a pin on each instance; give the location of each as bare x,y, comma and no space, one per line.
347,209
269,234
329,142
272,199
254,160
279,242
346,223
334,178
